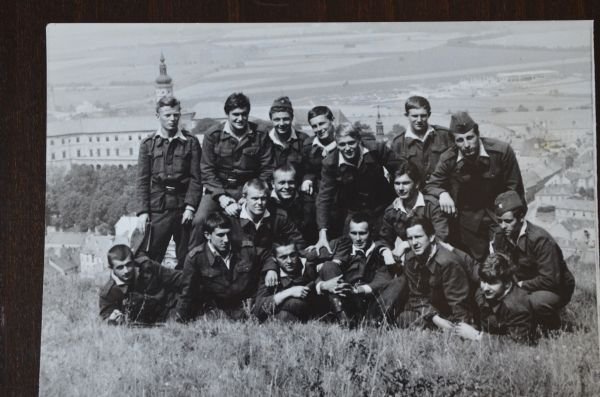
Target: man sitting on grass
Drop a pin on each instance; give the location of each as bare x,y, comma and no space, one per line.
139,290
438,281
290,299
504,307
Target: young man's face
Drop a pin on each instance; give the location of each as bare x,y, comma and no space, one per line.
510,225
238,119
405,187
417,118
219,238
348,147
284,183
468,143
492,290
359,234
287,258
418,240
282,122
124,270
169,118
256,201
322,127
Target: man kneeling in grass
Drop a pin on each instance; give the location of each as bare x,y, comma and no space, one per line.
290,299
504,307
139,290
438,282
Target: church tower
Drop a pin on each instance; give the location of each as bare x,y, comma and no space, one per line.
379,127
164,82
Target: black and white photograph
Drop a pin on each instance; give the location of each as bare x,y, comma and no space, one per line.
321,209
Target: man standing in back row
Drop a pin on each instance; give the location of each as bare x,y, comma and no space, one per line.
467,180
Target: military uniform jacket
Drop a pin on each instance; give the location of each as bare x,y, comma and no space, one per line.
539,260
148,298
207,282
313,161
441,286
264,304
228,163
293,153
356,188
276,226
168,173
475,185
425,155
512,315
395,220
298,214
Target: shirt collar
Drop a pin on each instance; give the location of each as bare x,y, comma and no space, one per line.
434,249
216,253
398,205
523,229
367,253
412,135
179,135
482,152
117,280
227,129
363,151
245,215
326,149
275,138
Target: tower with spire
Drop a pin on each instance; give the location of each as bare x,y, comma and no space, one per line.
164,82
379,127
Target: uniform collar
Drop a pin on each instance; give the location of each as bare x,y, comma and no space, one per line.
228,130
523,230
245,215
429,262
216,253
412,135
117,280
178,135
342,160
398,205
367,253
482,152
275,138
326,149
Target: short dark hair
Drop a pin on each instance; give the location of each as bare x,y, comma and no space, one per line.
347,129
235,101
256,183
417,102
424,222
118,252
283,243
496,268
216,220
167,101
320,111
409,169
285,167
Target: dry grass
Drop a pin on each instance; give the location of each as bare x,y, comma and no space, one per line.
82,357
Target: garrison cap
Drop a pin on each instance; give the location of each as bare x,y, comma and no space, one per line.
282,102
508,201
461,123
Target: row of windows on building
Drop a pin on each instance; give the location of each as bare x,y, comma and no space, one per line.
98,153
91,139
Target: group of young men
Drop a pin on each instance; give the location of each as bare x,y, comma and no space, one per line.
429,231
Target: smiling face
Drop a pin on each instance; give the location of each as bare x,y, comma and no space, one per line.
418,240
349,147
322,127
493,290
219,238
282,122
124,270
360,235
287,258
468,143
284,183
405,187
169,118
417,118
238,119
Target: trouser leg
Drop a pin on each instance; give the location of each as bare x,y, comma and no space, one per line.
389,302
156,240
546,307
207,206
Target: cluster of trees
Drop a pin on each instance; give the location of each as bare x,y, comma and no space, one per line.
90,199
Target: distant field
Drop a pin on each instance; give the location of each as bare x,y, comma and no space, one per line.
82,357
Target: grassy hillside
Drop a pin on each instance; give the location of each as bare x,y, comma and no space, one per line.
82,357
